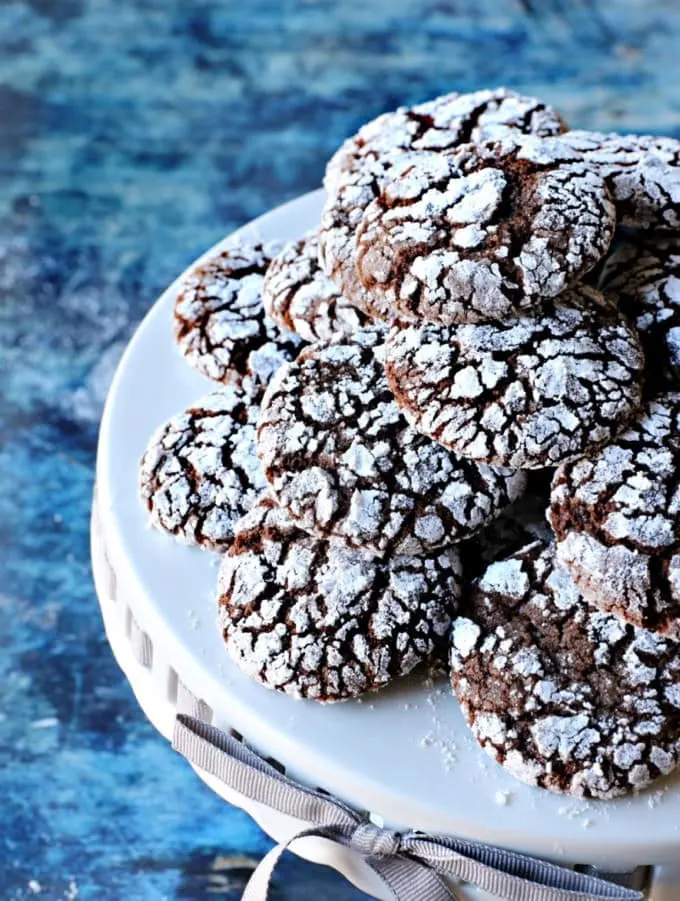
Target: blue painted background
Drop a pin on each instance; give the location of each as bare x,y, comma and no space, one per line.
132,136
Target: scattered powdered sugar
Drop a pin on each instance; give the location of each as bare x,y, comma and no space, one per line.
220,324
578,702
344,463
200,472
528,393
655,798
317,619
440,738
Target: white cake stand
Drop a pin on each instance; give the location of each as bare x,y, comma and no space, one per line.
157,598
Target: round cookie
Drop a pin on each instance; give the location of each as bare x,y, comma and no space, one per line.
200,472
299,296
220,324
563,696
528,394
344,463
485,233
616,516
356,173
641,171
316,619
644,276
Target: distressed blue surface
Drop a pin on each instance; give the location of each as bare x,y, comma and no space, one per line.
132,136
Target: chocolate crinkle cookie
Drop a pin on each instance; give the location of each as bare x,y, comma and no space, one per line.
528,393
300,297
358,171
644,275
345,464
563,696
220,323
316,619
200,473
641,171
616,516
485,233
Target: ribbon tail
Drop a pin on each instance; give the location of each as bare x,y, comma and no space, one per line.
411,880
259,883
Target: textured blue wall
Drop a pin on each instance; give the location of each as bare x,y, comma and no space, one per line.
132,136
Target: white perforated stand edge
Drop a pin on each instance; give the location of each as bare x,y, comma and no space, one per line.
157,599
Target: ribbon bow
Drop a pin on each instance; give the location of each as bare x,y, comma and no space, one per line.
412,865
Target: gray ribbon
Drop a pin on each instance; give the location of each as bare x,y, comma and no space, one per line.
412,865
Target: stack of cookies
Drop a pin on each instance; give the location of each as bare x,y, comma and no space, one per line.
446,427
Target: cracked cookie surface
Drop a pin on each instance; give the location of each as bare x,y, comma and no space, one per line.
616,516
526,394
644,276
200,471
442,124
641,171
485,233
356,173
300,297
316,619
220,324
344,463
563,696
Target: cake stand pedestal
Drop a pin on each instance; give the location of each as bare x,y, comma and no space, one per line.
404,756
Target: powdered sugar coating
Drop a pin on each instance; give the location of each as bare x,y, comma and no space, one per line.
644,275
356,173
484,233
563,696
345,464
316,619
616,516
300,297
642,172
220,324
442,124
200,472
526,394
